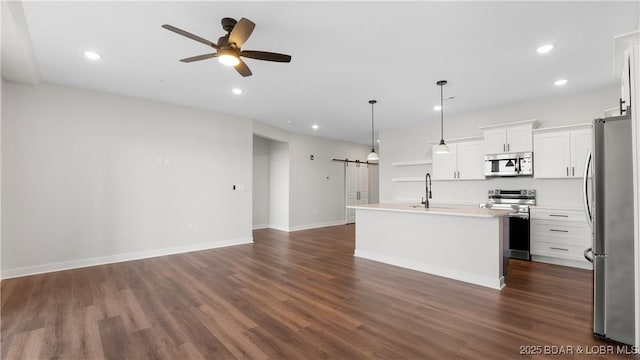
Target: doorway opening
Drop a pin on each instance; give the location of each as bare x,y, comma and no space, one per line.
270,184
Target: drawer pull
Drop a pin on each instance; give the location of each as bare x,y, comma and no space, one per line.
557,215
557,248
556,230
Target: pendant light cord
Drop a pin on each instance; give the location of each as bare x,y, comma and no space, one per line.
441,114
373,149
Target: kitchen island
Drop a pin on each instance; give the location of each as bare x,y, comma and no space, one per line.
466,244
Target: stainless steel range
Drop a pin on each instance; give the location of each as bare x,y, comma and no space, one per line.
519,201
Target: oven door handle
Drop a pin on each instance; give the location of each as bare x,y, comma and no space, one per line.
519,215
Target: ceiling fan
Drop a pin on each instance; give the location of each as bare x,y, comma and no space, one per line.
228,46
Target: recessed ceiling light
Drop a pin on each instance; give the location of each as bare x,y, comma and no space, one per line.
560,82
437,108
236,91
378,140
544,49
92,55
315,126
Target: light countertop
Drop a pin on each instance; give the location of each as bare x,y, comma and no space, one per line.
556,207
435,210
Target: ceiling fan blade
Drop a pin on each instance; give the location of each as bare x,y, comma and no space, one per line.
243,69
241,32
199,57
190,35
264,55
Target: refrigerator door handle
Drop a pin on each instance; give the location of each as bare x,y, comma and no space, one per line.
585,189
586,255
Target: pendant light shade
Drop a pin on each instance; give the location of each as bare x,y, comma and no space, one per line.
373,156
442,147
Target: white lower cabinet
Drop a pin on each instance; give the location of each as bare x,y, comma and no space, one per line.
560,236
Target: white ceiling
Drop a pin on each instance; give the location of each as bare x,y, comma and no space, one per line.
344,53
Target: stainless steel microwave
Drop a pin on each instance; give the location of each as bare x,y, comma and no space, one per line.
517,164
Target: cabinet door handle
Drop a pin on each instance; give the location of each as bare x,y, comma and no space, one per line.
558,215
573,171
556,230
504,147
621,108
567,171
508,147
557,248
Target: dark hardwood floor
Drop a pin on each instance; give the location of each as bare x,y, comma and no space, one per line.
299,295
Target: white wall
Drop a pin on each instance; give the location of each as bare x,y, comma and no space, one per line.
317,186
90,177
413,143
279,192
260,182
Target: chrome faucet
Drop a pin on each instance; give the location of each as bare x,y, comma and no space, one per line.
427,189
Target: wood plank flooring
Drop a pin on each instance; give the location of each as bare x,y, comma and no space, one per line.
299,295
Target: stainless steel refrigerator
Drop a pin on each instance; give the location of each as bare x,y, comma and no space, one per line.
608,197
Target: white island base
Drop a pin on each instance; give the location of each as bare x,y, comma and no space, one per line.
463,244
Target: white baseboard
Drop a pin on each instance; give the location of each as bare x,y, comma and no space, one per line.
110,259
299,227
279,227
494,283
260,226
315,226
563,262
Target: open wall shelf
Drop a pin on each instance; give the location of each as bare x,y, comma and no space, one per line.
412,163
408,179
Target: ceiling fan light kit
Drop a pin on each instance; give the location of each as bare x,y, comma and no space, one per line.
229,46
228,57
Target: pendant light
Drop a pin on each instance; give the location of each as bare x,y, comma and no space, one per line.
373,156
442,147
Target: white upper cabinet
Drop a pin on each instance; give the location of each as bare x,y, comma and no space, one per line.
464,161
445,165
581,141
495,141
509,138
470,160
519,138
625,83
552,155
625,45
560,154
